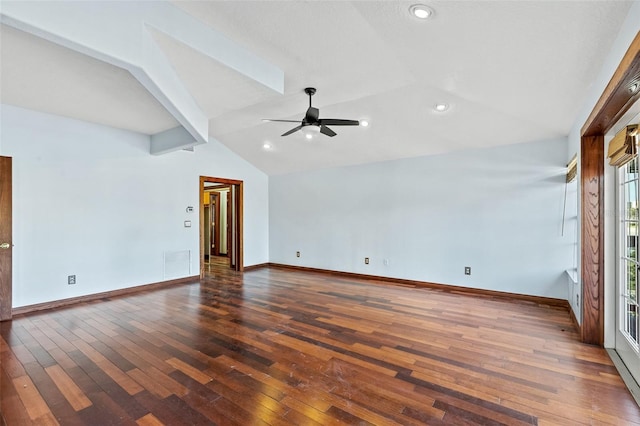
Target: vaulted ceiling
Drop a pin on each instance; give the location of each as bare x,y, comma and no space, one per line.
510,71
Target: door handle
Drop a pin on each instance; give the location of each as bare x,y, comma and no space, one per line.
5,246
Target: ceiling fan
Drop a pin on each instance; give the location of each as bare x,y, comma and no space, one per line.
311,123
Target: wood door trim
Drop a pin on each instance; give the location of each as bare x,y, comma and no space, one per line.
216,188
616,98
592,233
6,286
615,101
240,221
213,179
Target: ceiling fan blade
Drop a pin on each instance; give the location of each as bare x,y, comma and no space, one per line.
338,122
327,131
312,115
295,129
281,121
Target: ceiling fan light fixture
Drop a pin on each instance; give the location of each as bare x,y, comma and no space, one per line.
310,131
364,123
267,146
421,11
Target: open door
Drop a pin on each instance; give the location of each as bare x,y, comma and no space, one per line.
234,221
6,245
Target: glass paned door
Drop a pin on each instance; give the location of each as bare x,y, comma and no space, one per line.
627,338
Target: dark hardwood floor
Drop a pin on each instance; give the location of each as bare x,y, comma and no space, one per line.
275,346
213,263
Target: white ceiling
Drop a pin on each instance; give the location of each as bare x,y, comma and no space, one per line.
512,71
41,75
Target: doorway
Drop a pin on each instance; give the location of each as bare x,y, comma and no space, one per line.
221,237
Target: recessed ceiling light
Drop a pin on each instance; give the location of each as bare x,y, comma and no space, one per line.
364,123
441,107
421,11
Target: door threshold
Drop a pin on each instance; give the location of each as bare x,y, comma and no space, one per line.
627,378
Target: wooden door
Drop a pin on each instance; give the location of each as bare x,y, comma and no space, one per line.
6,245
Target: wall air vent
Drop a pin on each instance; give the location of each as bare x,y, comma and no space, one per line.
177,264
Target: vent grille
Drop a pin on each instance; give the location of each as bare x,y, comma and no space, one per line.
177,264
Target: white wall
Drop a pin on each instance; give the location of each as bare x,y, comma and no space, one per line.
89,200
627,33
497,210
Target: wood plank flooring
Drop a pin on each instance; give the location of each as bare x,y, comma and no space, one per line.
282,347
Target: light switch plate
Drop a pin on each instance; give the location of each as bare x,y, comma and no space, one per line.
187,224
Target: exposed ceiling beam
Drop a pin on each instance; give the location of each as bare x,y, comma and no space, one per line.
171,140
120,33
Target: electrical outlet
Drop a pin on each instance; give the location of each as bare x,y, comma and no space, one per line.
297,254
467,270
577,300
366,260
71,279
